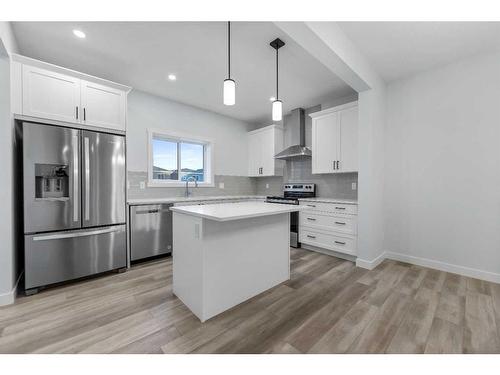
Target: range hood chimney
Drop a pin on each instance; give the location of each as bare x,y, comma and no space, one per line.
296,126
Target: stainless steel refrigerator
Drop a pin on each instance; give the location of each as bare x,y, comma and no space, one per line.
74,203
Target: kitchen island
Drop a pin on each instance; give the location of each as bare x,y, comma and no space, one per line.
227,253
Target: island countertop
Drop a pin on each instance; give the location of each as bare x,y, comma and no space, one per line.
236,211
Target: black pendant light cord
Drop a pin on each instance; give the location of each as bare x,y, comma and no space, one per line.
277,74
229,49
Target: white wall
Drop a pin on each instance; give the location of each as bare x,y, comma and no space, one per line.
442,185
8,267
149,111
7,37
372,112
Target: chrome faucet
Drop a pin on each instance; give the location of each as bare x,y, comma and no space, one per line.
192,178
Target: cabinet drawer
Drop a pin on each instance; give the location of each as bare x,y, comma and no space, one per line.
339,243
340,223
338,208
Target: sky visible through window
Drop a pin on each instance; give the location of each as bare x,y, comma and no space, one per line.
165,160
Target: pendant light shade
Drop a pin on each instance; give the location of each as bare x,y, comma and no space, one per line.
277,111
229,91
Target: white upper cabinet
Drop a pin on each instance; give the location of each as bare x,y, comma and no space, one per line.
102,105
335,139
263,144
51,95
325,143
50,92
348,122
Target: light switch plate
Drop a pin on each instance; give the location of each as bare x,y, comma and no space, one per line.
221,185
142,185
354,186
267,186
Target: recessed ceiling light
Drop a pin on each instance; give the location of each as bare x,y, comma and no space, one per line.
79,33
272,99
172,77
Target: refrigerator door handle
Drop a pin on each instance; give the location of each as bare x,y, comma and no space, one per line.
75,178
87,177
76,234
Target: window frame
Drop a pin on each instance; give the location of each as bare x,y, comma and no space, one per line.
208,157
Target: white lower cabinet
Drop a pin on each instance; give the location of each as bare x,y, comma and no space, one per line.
330,226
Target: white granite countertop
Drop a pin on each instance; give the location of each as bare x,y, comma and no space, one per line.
236,211
138,201
330,200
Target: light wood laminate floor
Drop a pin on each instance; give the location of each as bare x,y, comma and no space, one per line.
328,306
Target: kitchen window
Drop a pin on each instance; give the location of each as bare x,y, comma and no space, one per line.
174,159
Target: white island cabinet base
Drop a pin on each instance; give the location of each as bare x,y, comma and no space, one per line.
218,264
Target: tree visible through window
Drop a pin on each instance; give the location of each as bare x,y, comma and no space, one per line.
177,161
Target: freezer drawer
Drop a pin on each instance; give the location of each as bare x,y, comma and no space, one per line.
151,230
61,256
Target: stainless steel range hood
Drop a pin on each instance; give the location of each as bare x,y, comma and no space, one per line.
296,127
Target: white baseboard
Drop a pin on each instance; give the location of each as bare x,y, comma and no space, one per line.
370,264
9,297
447,267
430,263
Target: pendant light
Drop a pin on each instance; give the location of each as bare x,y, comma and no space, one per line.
229,84
277,103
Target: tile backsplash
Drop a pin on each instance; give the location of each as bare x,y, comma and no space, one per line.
233,185
327,185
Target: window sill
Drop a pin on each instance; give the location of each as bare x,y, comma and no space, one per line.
153,184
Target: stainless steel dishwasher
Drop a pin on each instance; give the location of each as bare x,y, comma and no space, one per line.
151,230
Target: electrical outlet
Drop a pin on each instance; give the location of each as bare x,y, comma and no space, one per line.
221,185
267,186
354,186
142,185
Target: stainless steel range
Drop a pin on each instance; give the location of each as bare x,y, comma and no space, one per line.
291,194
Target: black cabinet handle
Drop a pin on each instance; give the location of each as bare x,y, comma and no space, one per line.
311,218
311,236
339,222
77,112
340,243
84,114
340,208
334,165
310,205
338,165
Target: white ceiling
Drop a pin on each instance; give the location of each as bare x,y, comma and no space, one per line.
142,54
400,49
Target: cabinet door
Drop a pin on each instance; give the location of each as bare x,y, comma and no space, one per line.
267,152
325,136
254,154
50,95
103,106
348,120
